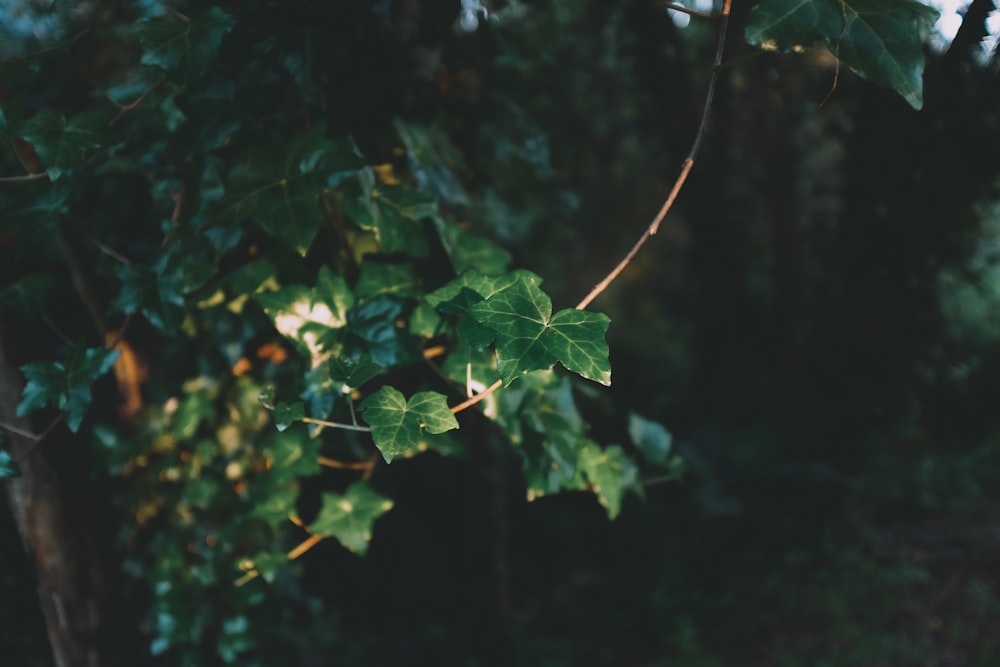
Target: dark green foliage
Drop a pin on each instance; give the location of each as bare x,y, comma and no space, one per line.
300,218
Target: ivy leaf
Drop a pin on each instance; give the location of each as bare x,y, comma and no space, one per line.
433,160
396,422
458,296
530,338
268,563
308,316
390,279
29,294
282,196
62,143
881,40
610,473
650,438
349,517
292,454
8,468
286,414
184,49
65,385
392,212
353,371
372,328
159,291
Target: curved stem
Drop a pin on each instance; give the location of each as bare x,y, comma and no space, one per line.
654,226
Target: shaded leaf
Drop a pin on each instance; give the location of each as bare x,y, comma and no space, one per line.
353,371
65,385
434,159
377,279
373,328
8,468
184,49
29,294
282,195
881,40
286,414
61,143
349,517
396,422
392,212
650,438
529,337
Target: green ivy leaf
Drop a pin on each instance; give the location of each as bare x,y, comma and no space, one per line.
65,385
159,291
349,517
62,143
377,279
184,49
881,40
434,159
308,316
353,371
530,338
372,328
470,252
396,422
282,195
268,563
292,454
286,414
610,473
461,294
29,294
392,212
8,468
650,438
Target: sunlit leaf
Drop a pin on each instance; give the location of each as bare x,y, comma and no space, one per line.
529,337
610,473
350,516
881,40
397,423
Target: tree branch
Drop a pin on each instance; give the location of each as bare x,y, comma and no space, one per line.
654,226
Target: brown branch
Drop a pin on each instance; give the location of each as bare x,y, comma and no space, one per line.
305,546
343,465
654,226
26,177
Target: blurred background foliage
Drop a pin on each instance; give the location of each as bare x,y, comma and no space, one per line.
817,324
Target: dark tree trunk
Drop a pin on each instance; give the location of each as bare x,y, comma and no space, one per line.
58,534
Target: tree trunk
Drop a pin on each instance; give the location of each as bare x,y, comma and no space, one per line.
59,537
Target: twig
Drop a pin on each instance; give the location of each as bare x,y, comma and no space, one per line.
111,252
58,332
26,177
323,422
654,226
464,405
343,465
690,12
305,546
19,431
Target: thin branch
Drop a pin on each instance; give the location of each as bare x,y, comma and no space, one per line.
323,422
111,252
26,177
56,330
19,431
464,405
690,12
343,465
654,226
304,546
